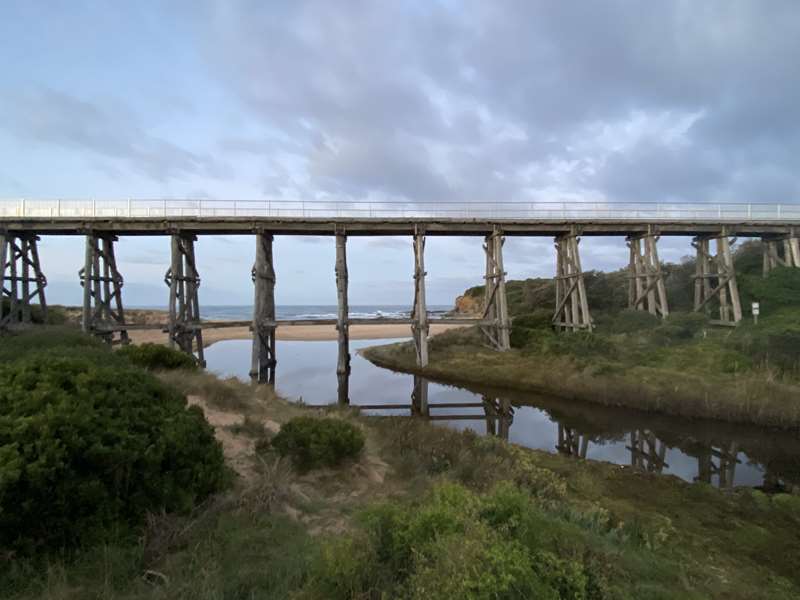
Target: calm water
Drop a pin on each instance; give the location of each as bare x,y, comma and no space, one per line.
717,453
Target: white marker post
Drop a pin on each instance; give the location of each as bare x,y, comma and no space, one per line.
756,310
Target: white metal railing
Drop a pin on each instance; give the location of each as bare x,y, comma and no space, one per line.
617,211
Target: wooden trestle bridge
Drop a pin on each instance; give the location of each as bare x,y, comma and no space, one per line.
713,228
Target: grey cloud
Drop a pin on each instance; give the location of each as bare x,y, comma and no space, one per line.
652,172
390,167
498,101
107,131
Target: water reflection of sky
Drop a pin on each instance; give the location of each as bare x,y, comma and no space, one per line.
307,371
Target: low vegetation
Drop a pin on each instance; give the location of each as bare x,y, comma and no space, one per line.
311,442
55,315
157,357
416,512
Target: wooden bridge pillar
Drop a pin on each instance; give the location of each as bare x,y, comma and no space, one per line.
648,453
506,418
646,290
571,442
715,278
5,294
184,308
725,470
499,416
495,301
264,359
102,290
21,278
781,252
419,316
419,397
343,321
572,305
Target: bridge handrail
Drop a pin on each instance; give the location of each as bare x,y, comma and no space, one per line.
161,208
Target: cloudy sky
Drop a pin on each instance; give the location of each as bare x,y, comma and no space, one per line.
415,101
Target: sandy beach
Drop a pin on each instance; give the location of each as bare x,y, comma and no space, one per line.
296,332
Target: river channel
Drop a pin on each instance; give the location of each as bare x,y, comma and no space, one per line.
721,454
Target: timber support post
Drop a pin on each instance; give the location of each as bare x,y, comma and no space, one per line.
21,278
495,301
419,315
102,283
648,453
264,359
342,320
499,416
572,443
725,470
183,280
419,397
572,305
3,252
781,252
646,289
715,278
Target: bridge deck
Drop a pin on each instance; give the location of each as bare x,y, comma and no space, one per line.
389,226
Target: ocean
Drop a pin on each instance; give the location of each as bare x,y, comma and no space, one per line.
319,311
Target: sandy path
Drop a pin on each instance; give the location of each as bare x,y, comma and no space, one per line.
297,332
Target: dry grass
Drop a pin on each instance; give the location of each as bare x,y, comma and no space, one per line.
271,489
163,533
225,394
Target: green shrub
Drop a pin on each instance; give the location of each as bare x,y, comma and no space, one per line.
157,356
56,315
527,328
479,565
66,341
453,543
781,288
538,319
680,327
86,449
313,442
580,344
475,292
345,568
460,336
775,348
627,321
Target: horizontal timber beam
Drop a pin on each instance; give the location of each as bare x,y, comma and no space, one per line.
378,227
292,322
433,405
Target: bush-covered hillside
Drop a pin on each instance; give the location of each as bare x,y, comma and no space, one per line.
608,292
683,341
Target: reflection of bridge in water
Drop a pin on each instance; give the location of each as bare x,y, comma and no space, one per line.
716,457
